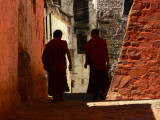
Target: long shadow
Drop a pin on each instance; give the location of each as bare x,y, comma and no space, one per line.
45,110
77,96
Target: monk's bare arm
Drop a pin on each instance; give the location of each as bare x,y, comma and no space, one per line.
68,56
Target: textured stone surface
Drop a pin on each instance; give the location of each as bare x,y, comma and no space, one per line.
124,81
142,56
134,55
116,81
9,95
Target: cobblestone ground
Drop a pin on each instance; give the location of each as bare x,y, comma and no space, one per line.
79,107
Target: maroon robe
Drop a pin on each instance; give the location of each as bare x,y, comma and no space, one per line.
56,50
96,50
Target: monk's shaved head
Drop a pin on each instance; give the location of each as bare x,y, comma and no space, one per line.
57,34
95,31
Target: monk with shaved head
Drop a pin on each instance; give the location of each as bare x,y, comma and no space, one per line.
98,60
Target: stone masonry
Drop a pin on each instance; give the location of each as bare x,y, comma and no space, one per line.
137,74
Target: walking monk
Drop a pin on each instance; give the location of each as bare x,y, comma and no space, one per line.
97,57
54,61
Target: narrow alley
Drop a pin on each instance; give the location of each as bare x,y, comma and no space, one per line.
79,107
131,32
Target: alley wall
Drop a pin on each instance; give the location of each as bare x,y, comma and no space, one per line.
32,83
137,74
9,95
22,43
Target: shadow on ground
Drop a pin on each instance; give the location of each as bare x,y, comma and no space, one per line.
75,108
77,97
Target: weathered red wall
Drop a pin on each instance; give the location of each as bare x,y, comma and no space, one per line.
9,95
21,46
137,75
32,83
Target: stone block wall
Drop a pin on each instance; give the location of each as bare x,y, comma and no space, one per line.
137,74
110,8
9,95
32,82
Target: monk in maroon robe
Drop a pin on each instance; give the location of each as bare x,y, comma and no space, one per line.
98,60
55,63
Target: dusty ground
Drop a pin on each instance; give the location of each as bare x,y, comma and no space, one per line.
79,107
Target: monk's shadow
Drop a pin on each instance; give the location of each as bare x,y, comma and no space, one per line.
77,97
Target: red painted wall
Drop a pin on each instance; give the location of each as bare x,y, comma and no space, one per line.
21,47
9,95
137,74
32,83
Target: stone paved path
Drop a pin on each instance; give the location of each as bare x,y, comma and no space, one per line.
79,107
